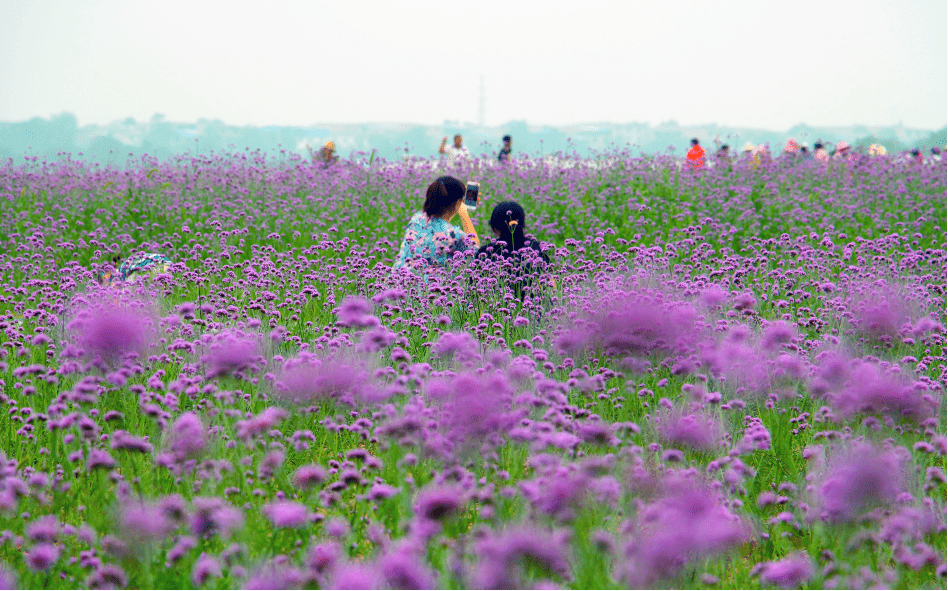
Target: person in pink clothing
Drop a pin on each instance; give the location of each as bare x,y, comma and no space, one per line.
790,149
843,151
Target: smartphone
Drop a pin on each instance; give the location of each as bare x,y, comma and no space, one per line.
470,197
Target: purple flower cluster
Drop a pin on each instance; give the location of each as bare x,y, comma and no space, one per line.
744,359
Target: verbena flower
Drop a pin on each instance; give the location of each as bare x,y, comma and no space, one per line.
354,576
438,503
501,556
229,353
357,312
287,514
99,458
214,516
401,568
867,390
859,479
186,437
276,576
260,423
44,529
111,332
42,557
695,430
206,567
309,379
142,523
310,476
788,573
107,576
460,346
688,522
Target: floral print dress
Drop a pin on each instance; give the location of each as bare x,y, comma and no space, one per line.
141,263
430,241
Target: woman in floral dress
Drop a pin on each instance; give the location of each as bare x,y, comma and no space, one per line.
137,265
430,239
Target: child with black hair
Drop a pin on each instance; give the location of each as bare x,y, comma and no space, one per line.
524,253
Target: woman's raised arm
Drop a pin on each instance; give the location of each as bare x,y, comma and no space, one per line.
467,225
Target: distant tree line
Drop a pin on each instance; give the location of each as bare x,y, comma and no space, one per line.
119,141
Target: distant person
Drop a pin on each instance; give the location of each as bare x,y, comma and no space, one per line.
819,153
749,155
696,155
723,155
430,239
877,150
917,156
763,155
456,151
843,152
140,264
504,155
790,148
326,155
936,154
508,222
805,151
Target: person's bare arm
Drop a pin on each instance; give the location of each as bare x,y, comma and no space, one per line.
443,142
467,225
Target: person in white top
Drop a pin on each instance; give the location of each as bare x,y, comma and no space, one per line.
456,151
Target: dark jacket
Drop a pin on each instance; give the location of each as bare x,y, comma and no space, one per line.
518,268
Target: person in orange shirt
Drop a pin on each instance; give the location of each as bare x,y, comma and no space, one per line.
696,155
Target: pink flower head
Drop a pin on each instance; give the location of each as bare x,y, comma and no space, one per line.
357,312
859,479
231,352
110,333
287,514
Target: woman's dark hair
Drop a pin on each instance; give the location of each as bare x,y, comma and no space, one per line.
509,219
442,195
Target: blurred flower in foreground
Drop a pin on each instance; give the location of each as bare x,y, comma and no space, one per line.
111,332
287,513
230,352
186,437
687,523
632,323
503,555
788,573
42,557
215,516
696,430
309,379
859,479
356,311
862,387
143,523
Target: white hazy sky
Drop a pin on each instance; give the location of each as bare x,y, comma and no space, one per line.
741,63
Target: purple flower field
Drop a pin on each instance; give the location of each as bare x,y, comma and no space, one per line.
724,378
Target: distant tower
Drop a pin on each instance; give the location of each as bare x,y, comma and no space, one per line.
483,101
